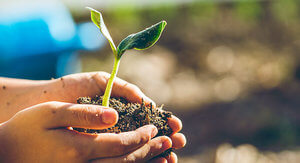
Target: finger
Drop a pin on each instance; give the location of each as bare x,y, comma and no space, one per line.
175,123
70,87
113,145
178,140
155,147
172,158
158,160
131,92
122,88
59,114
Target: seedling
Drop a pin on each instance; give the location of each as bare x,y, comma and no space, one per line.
139,41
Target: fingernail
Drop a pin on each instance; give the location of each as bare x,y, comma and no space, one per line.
109,116
154,132
166,144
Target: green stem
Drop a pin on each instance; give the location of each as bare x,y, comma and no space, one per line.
105,101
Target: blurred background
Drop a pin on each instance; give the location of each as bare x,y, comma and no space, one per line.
228,68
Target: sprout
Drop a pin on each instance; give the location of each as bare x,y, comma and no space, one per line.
139,41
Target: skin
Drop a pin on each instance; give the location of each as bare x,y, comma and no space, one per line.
36,119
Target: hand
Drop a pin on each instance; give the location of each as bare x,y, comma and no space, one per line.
90,84
41,134
69,88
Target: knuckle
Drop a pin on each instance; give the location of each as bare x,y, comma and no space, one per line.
81,115
89,115
51,106
128,141
73,153
129,159
104,74
144,137
133,89
122,146
76,153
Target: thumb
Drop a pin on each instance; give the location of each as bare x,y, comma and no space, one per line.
59,114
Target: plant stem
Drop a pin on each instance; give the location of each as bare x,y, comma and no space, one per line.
106,97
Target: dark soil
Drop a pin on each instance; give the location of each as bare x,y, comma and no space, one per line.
131,117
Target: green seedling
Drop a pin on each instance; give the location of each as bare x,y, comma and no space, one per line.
139,41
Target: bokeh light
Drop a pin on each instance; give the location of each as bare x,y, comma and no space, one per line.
229,69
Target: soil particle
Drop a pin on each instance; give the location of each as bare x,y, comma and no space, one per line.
131,117
7,103
45,92
4,87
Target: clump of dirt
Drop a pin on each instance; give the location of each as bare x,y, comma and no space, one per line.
131,117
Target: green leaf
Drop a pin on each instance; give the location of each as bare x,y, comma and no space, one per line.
97,18
143,39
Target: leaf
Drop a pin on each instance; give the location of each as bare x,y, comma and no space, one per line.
97,18
143,39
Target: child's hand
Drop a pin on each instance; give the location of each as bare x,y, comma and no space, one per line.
42,133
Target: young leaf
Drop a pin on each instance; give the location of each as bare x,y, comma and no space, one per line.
141,40
97,18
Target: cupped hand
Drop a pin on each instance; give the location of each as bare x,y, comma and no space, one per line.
42,133
90,84
68,88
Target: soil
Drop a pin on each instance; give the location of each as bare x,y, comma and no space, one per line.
131,117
